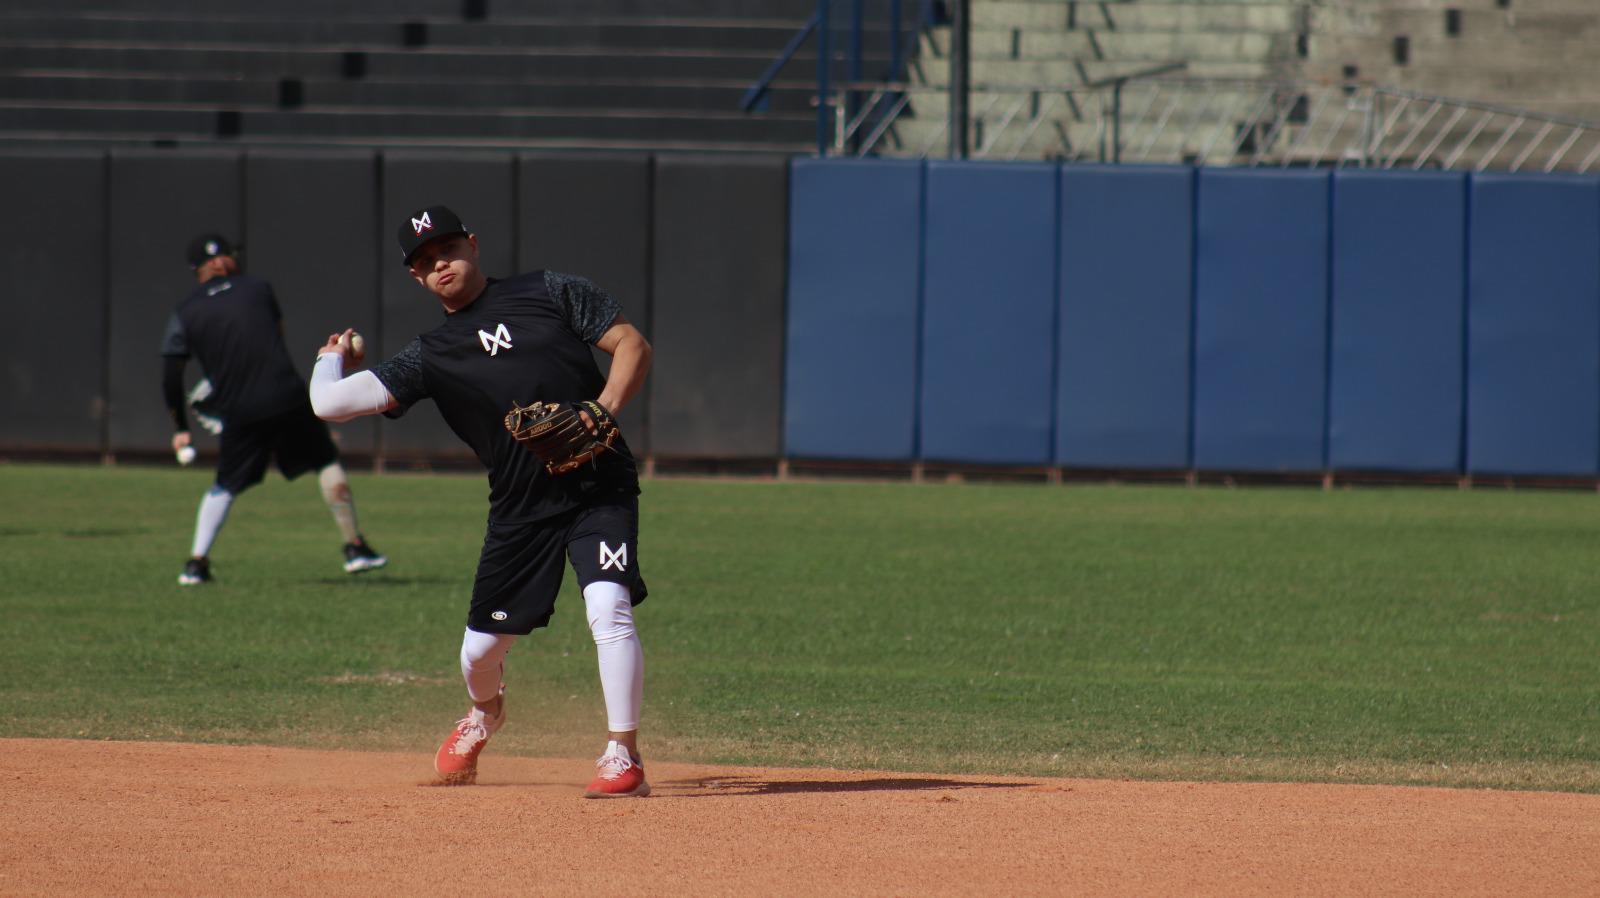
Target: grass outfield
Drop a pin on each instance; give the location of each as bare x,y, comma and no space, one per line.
1409,636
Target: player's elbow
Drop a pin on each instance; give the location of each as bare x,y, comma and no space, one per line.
644,353
323,407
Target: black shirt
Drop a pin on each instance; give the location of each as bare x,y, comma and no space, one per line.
234,327
524,339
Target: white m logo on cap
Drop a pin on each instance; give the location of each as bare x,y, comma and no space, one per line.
493,343
422,224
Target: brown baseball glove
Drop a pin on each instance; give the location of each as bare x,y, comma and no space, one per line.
556,432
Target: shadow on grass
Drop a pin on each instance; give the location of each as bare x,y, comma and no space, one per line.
374,579
102,532
707,786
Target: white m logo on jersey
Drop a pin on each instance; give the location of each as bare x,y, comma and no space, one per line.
422,224
493,343
610,560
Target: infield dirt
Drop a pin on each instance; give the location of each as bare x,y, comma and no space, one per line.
128,818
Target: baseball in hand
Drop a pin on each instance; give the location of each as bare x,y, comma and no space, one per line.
186,455
355,346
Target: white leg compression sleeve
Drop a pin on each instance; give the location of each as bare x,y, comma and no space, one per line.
483,657
610,609
213,513
336,492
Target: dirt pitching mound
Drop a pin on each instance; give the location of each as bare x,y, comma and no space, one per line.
106,818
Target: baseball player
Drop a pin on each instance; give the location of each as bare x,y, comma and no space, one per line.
502,343
232,324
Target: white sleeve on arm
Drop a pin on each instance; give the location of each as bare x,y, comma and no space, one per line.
335,397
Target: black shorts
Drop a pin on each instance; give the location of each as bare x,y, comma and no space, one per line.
520,571
298,440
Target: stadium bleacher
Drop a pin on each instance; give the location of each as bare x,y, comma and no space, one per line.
501,73
1515,54
1526,54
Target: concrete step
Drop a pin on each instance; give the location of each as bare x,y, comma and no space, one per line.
1526,87
1511,10
1007,131
1051,139
283,9
36,141
1292,145
1177,107
1068,72
232,92
394,33
1509,51
1384,22
573,62
1142,16
442,125
796,10
1153,46
762,37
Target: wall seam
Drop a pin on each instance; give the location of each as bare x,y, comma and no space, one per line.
1327,329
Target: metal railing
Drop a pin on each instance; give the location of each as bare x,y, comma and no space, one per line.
1137,118
820,24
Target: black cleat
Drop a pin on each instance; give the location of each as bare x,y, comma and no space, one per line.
358,557
195,572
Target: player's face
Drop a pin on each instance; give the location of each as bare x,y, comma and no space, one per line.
218,267
448,267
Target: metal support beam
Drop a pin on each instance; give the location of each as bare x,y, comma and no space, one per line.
853,106
960,75
824,63
1116,121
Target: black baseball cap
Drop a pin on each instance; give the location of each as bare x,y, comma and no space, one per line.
207,247
425,224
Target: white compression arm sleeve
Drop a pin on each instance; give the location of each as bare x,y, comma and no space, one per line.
335,397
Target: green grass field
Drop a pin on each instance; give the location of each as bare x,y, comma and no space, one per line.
1370,635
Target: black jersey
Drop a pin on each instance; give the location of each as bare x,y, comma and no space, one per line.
233,326
524,339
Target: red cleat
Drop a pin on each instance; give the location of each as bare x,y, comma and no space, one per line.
457,760
620,775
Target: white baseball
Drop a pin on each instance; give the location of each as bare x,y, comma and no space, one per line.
186,455
354,346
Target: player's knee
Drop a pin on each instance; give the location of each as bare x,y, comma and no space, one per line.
335,484
610,610
484,651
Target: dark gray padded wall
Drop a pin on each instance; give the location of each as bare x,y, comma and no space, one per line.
480,188
54,376
310,229
160,199
720,245
589,215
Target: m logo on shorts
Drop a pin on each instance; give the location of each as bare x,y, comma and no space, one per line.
609,560
499,615
493,343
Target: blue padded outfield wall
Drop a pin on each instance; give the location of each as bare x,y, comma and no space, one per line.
1398,309
988,309
1035,315
1231,320
1127,276
1533,370
851,389
1261,310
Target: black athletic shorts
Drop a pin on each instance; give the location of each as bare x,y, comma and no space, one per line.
298,440
521,568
